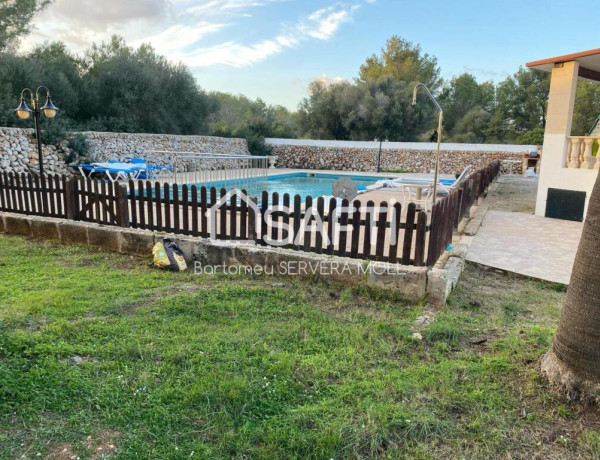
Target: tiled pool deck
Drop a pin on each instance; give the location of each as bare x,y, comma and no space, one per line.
520,242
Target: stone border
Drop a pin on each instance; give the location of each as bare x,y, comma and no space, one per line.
411,282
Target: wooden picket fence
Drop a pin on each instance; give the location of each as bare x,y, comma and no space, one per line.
449,211
370,231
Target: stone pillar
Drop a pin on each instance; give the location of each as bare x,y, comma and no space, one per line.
561,100
588,159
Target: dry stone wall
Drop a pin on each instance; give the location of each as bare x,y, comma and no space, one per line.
18,153
408,157
18,150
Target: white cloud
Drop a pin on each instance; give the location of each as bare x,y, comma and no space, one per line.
321,25
179,29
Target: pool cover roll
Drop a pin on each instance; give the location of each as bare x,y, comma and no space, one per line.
168,256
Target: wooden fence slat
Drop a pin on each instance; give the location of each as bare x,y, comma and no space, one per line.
2,190
185,209
97,200
343,232
297,220
285,234
122,214
60,207
395,233
203,210
369,219
307,241
133,205
150,205
46,194
331,225
252,216
244,216
264,205
167,208
32,200
13,197
194,192
381,230
420,240
141,204
319,235
233,215
275,218
175,207
24,192
106,202
355,229
51,193
223,215
158,206
18,188
408,233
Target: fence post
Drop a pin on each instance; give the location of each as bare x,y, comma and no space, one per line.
252,207
459,206
122,207
71,201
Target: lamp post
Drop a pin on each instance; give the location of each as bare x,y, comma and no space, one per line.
49,110
439,135
380,139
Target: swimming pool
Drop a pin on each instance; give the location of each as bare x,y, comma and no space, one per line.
303,184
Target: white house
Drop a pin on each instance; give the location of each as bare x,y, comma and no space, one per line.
569,170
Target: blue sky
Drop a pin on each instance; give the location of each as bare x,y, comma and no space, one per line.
273,49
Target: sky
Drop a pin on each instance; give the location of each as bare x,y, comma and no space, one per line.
273,49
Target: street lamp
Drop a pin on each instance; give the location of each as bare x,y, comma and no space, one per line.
439,135
380,139
49,110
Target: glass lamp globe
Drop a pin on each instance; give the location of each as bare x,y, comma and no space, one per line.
49,108
23,111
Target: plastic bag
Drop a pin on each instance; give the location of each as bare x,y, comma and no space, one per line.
168,256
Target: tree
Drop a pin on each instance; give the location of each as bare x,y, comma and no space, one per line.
403,61
587,107
521,102
573,363
136,90
532,137
462,95
15,20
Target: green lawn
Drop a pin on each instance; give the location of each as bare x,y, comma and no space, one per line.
99,351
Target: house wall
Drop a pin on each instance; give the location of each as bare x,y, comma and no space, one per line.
553,172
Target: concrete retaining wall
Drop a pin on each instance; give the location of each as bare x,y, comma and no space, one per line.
410,281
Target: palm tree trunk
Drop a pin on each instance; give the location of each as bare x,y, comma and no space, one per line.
573,363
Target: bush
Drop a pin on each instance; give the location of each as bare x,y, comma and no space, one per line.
532,137
54,131
79,147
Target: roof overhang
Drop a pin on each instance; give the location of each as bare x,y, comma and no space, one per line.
589,63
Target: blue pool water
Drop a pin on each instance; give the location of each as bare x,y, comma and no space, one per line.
303,184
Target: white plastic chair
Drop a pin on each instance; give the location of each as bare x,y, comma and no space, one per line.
411,193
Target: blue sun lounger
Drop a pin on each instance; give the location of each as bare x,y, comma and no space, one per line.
113,170
150,171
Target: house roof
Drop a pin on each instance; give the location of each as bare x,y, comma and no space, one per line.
589,63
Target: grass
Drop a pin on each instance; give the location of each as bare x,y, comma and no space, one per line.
103,357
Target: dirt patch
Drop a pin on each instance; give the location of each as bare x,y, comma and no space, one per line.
96,447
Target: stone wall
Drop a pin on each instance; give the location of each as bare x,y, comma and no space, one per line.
18,151
124,146
395,156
